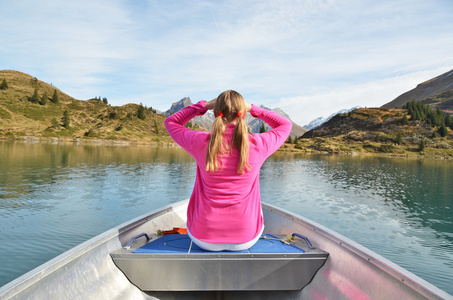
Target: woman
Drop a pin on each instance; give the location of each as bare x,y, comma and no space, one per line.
224,211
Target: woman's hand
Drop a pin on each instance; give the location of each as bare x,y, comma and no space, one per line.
248,106
211,104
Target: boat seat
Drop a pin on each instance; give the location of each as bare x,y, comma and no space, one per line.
182,244
174,263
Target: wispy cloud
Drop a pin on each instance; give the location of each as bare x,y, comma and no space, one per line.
369,94
278,53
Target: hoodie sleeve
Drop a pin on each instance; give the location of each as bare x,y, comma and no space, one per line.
175,125
281,128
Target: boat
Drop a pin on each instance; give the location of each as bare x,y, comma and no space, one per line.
321,264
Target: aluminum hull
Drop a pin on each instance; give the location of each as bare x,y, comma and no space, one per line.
351,271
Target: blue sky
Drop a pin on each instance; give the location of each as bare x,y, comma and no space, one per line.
310,58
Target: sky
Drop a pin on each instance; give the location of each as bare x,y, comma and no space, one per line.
310,58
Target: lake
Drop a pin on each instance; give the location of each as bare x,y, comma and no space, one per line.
53,197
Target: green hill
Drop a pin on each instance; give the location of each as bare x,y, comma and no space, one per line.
26,109
383,131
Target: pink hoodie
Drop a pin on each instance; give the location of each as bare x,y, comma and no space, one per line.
225,207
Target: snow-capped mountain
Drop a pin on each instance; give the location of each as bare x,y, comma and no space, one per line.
321,120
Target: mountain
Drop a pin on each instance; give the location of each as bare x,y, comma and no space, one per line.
424,128
361,119
26,110
204,121
254,124
436,92
321,120
380,131
177,106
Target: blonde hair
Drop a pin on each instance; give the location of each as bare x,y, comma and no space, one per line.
229,106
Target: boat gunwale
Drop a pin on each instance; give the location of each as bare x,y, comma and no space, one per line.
31,277
403,275
399,273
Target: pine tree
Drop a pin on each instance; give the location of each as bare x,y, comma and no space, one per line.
156,128
422,144
443,131
141,112
54,97
55,123
105,101
35,97
4,85
449,121
43,99
398,138
262,129
66,119
436,118
405,120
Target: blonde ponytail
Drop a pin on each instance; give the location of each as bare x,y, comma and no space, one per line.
229,106
241,143
216,145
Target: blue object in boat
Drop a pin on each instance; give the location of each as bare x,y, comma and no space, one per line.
182,244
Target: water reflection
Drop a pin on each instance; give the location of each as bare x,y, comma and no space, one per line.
399,208
419,190
26,167
53,197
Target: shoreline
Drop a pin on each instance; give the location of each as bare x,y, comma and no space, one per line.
80,141
285,148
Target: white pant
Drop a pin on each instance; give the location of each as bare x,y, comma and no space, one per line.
224,246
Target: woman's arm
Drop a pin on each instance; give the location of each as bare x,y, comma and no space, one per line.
273,119
175,124
281,128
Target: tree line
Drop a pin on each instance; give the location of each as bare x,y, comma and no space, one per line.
44,98
436,118
143,111
103,100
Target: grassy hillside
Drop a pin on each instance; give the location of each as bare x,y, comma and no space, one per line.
362,131
377,131
21,115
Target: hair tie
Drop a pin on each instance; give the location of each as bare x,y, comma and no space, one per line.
220,114
238,114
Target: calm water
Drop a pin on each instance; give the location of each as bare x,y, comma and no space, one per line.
54,197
